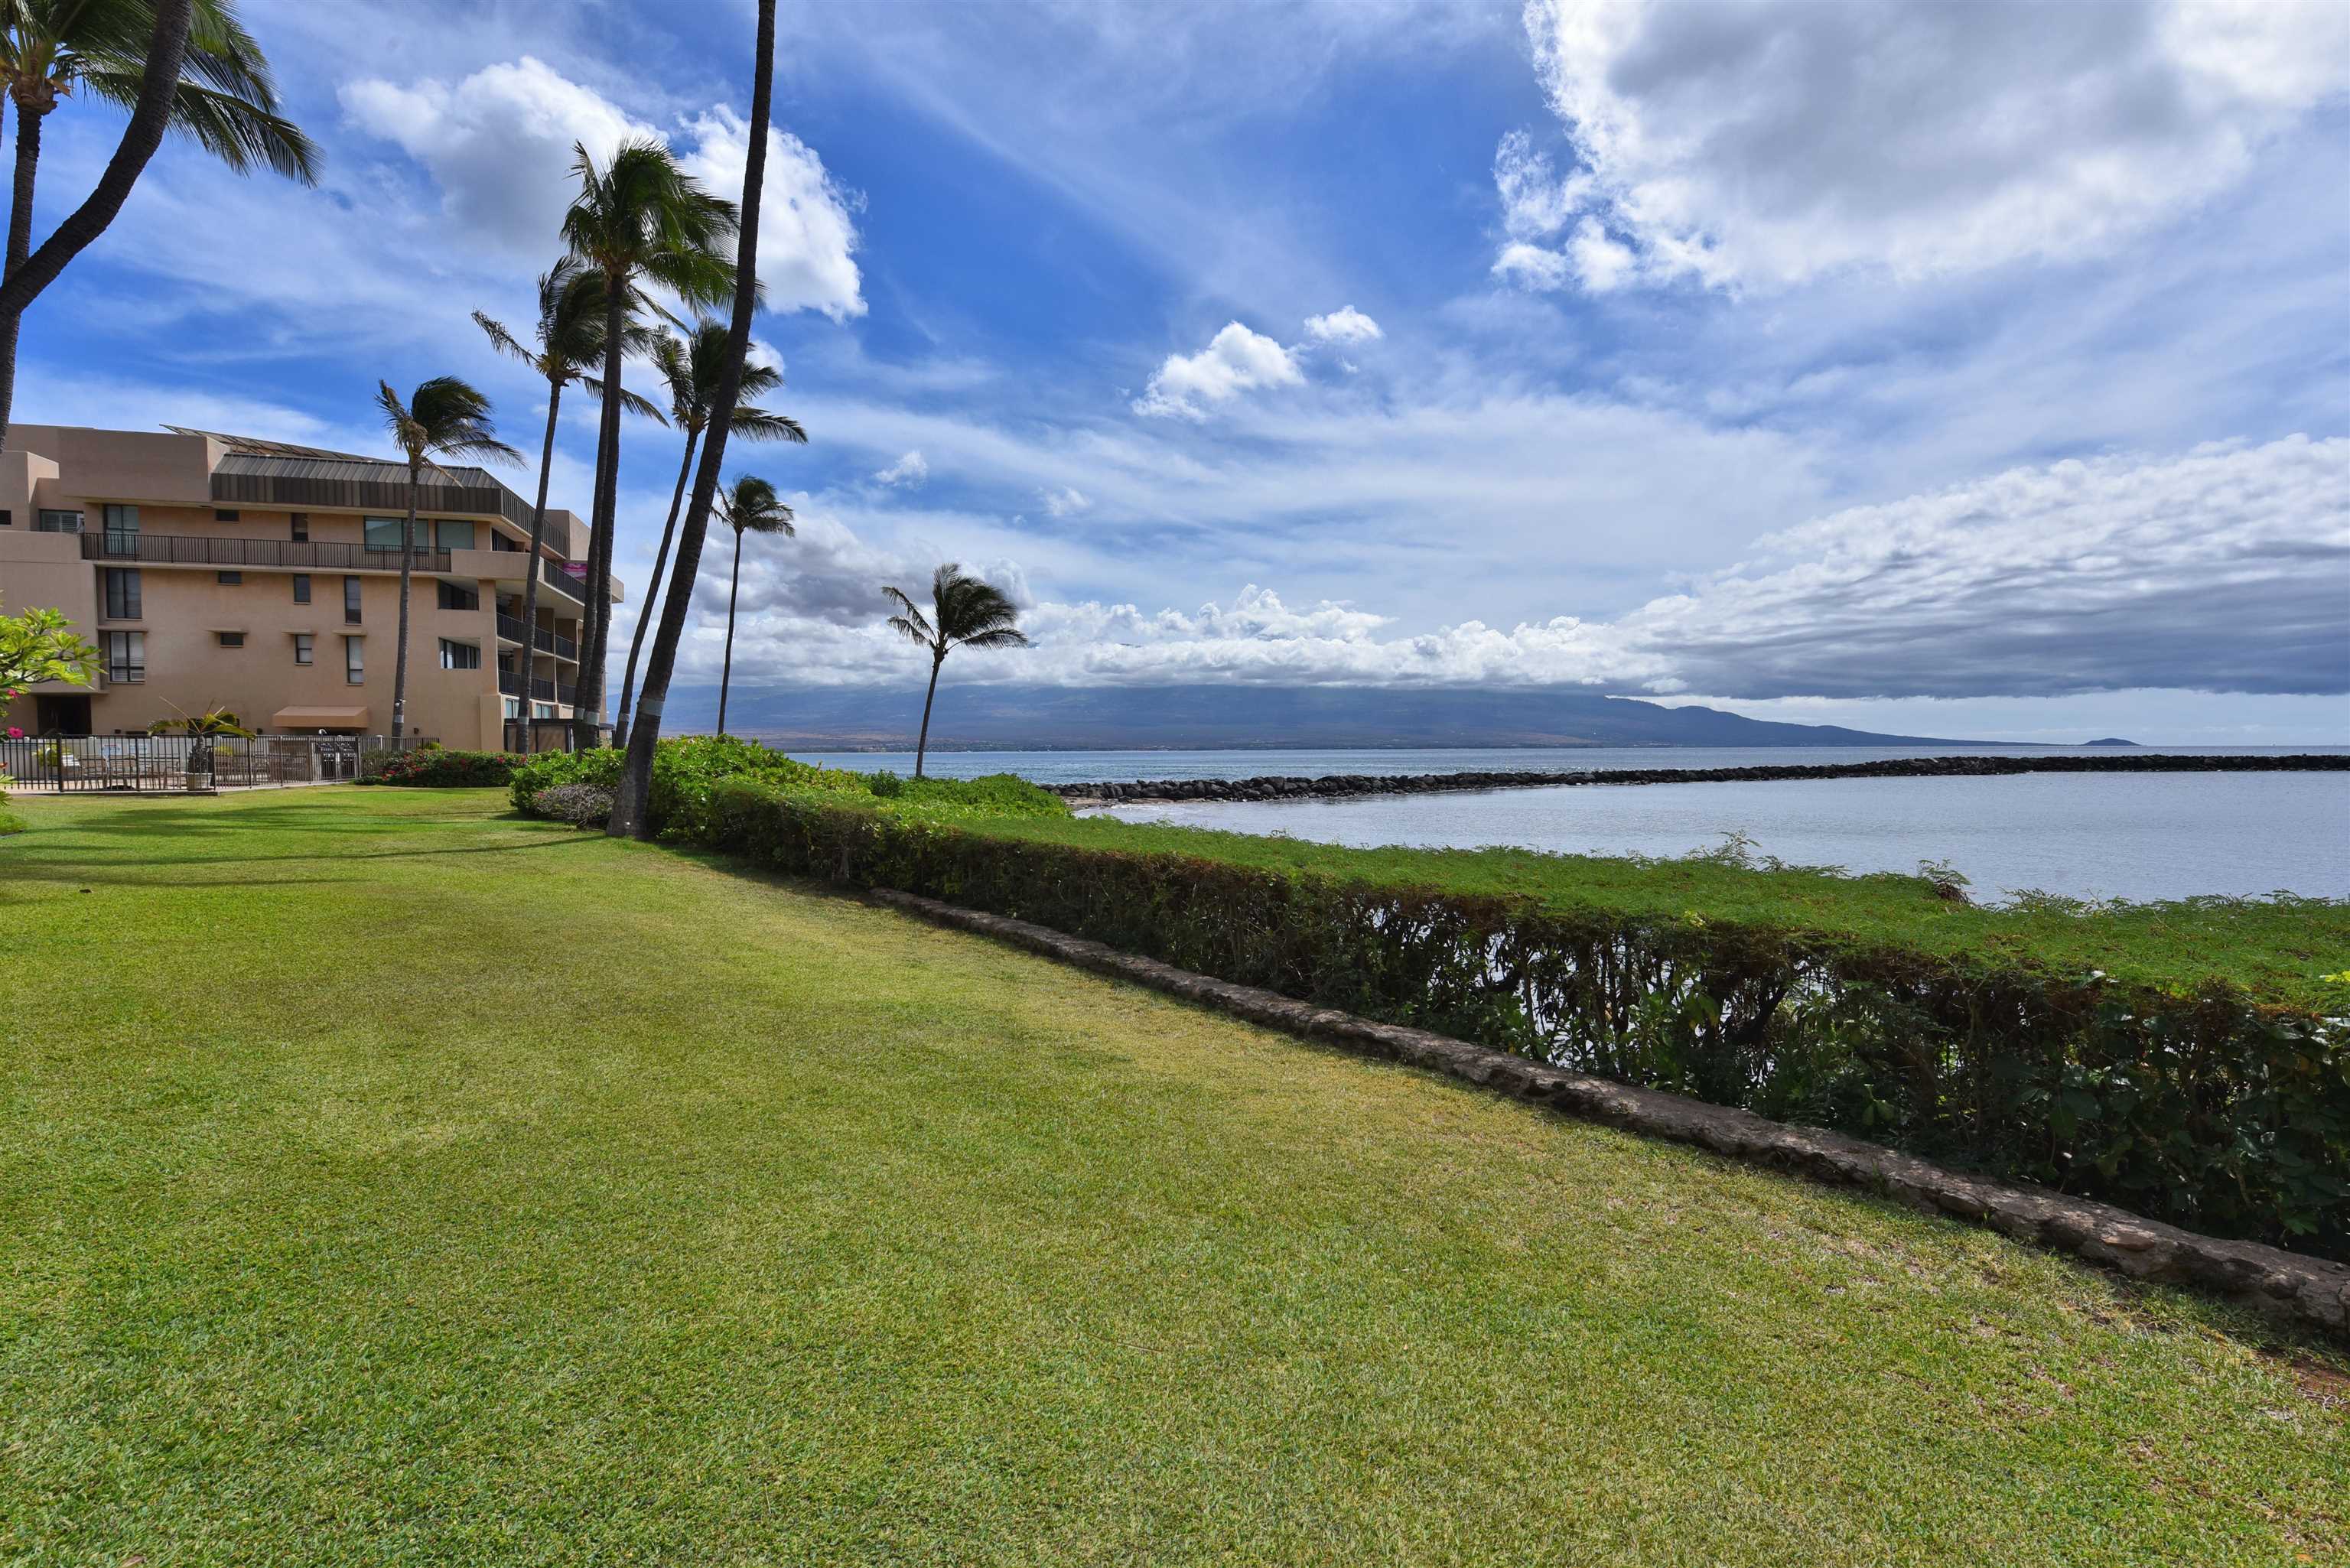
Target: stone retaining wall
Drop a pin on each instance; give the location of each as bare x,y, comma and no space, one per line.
1343,786
2308,1290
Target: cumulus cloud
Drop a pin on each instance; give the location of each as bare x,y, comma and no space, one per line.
912,470
1235,360
499,144
2221,569
1344,325
1763,145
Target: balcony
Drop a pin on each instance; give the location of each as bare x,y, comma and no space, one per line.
511,628
199,550
510,685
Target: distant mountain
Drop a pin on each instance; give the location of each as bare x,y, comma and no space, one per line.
1186,718
2109,740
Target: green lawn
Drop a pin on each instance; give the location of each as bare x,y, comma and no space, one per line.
2289,951
386,1180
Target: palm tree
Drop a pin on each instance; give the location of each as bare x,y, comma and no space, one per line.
224,101
639,219
691,367
451,419
965,612
569,338
630,819
752,506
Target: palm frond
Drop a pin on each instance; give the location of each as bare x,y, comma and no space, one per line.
758,424
1001,637
630,400
239,133
503,341
914,630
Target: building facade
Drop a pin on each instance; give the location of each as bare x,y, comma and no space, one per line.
221,572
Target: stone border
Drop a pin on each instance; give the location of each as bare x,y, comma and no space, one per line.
2308,1290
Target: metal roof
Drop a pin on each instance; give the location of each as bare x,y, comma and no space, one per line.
255,446
342,480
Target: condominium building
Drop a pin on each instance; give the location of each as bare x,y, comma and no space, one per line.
221,572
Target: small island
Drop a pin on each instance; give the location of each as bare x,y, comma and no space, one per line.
2109,740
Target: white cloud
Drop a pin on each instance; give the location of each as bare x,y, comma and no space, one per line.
498,143
912,470
1763,145
1065,501
807,239
1344,325
1235,360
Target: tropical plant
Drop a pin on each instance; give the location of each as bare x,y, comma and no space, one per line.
638,220
448,418
750,506
569,338
691,367
41,645
218,93
203,730
630,798
965,612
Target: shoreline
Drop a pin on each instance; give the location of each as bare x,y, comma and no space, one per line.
1344,786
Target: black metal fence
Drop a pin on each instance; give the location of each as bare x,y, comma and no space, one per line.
205,550
177,764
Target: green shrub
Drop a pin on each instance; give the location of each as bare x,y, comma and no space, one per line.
432,766
887,786
580,804
2205,1108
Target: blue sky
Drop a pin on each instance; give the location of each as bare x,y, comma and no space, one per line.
1956,370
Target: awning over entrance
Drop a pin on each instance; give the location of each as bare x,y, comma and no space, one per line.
319,719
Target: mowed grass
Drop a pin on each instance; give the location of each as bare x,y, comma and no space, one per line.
386,1180
2284,950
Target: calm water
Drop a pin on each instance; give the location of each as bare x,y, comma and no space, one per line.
2085,836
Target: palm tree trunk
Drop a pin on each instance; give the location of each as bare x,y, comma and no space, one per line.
587,713
20,245
652,593
922,745
726,671
630,819
159,89
531,570
399,655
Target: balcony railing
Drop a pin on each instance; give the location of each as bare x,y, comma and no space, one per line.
511,628
200,550
510,685
562,582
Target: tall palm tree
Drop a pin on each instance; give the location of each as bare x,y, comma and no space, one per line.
965,612
639,219
752,506
445,418
224,101
630,819
570,344
690,365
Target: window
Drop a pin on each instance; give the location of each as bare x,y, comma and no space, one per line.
383,533
301,588
7,518
231,638
122,520
225,514
350,601
542,710
460,655
306,648
458,596
355,660
228,579
453,535
125,656
122,594
513,707
301,522
47,522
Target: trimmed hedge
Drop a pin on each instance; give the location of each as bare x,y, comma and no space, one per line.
436,767
2205,1109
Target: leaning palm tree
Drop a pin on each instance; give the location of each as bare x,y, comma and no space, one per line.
750,506
568,344
449,419
965,612
638,220
692,367
56,49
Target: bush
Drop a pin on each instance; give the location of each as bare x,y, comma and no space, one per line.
432,766
2204,1108
580,804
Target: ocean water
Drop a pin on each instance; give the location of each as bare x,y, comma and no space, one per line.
2137,836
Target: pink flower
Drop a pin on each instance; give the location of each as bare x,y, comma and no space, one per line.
15,733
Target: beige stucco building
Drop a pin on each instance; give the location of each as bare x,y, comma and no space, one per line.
216,571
